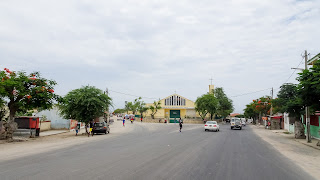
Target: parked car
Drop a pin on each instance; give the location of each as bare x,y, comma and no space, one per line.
211,126
101,127
236,123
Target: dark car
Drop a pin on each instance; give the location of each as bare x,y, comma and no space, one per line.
101,127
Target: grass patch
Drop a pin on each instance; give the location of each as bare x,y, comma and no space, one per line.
286,133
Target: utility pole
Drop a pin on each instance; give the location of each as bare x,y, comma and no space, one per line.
271,102
307,108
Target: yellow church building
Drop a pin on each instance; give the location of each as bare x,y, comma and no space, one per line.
176,106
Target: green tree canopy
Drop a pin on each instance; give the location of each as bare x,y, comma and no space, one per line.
141,107
22,92
309,87
206,104
133,106
288,100
84,104
258,107
119,111
225,106
154,108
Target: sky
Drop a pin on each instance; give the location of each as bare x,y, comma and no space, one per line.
153,48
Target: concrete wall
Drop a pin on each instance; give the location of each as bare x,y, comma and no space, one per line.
57,121
314,130
45,125
291,128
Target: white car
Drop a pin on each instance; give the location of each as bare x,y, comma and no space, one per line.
211,126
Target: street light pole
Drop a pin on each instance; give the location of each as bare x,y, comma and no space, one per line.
307,108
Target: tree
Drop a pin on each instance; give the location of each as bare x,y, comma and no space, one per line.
289,101
84,104
127,107
133,106
22,92
309,87
250,112
206,104
225,106
141,107
240,116
119,111
257,108
154,108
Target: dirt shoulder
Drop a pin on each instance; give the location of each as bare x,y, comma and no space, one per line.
33,146
306,157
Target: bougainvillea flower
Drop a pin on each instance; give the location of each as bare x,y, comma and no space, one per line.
51,90
33,78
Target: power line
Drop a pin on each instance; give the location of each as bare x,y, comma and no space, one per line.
250,92
131,95
293,71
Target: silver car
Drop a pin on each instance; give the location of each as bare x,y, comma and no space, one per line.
236,123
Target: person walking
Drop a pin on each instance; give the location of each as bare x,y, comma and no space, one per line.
180,124
123,121
141,119
77,130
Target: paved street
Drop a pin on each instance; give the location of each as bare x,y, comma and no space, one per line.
159,151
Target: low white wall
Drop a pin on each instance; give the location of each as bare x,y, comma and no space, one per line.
45,126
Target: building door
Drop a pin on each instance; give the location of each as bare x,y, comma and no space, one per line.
174,114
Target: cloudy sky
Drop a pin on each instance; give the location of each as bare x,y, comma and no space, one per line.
153,48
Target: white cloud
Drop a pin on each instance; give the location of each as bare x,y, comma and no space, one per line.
152,48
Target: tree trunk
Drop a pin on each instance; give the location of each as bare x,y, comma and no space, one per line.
211,116
11,126
299,130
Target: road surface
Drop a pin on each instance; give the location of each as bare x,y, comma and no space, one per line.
159,151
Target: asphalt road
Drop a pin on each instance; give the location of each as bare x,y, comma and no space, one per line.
161,153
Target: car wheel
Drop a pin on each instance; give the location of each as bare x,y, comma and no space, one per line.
205,130
240,128
231,127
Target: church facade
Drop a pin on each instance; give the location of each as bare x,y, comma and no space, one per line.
175,106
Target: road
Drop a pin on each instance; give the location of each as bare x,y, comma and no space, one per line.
159,151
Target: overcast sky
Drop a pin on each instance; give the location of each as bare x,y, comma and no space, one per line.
154,48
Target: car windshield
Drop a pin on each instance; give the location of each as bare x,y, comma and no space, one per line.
98,124
211,122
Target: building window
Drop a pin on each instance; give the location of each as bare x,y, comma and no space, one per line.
175,101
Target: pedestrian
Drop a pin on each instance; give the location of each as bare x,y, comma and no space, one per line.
141,119
124,120
77,130
91,127
180,124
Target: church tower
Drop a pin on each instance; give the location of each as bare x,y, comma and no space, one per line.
211,89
